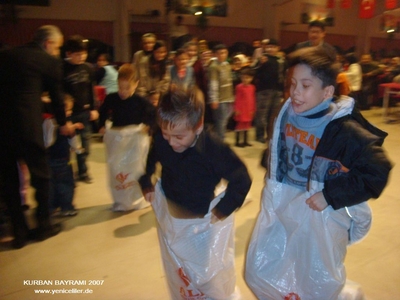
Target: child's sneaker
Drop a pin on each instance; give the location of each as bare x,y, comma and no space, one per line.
68,213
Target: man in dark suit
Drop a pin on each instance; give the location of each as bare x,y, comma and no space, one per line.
316,36
25,73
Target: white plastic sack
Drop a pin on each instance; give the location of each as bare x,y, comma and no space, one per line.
49,131
298,253
127,149
198,256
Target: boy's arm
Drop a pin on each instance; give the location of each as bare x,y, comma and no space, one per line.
104,110
368,171
366,179
213,84
145,180
229,166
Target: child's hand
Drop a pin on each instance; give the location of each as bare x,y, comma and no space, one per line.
94,115
68,129
214,105
102,130
79,125
149,196
154,98
317,202
216,216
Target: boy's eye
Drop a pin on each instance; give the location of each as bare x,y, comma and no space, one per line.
306,86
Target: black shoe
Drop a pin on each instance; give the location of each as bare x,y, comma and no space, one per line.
247,144
19,242
240,145
261,140
85,178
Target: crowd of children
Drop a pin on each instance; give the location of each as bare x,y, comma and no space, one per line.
324,158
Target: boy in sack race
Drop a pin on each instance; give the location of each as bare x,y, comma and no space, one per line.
127,141
195,228
325,161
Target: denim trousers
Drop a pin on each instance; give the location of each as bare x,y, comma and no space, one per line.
61,184
221,117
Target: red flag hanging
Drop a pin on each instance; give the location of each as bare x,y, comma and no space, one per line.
330,4
345,3
367,9
390,4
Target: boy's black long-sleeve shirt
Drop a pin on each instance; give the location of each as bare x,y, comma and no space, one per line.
189,178
134,110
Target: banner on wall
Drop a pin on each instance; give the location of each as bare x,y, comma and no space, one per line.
345,3
330,3
390,4
367,9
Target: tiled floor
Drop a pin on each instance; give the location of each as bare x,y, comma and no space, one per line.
120,252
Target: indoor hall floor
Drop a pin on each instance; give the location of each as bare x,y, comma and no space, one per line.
119,252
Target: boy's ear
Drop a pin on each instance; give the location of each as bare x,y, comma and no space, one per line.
329,91
199,127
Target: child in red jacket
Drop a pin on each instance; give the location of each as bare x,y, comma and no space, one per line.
245,105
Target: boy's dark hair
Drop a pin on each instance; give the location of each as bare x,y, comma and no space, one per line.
76,43
247,71
180,51
319,60
180,107
351,58
317,23
219,47
107,56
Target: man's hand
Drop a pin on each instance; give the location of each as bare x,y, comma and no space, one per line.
94,115
317,202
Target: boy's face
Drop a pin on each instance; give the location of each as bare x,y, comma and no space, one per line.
272,49
306,90
102,61
77,58
148,44
180,137
191,51
222,55
126,88
181,61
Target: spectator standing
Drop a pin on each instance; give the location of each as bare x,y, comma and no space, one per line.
245,105
182,75
148,42
268,82
154,78
106,74
220,89
26,72
79,82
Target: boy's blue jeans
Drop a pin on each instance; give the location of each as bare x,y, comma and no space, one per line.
61,184
221,117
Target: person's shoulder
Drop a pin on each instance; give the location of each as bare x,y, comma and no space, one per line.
302,45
